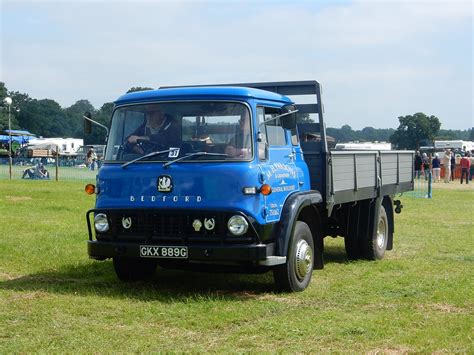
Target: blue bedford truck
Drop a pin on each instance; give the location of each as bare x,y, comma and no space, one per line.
237,178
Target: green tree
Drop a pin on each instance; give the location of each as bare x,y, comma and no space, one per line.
44,118
368,134
19,100
447,135
103,116
4,110
3,91
73,118
415,130
304,118
343,134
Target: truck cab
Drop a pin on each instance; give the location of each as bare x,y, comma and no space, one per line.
212,194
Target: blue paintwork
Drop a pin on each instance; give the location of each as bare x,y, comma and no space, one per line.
190,93
208,185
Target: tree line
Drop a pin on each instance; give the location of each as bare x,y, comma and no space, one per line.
47,118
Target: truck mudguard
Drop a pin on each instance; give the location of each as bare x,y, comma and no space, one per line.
290,213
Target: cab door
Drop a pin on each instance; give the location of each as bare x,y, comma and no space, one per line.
277,162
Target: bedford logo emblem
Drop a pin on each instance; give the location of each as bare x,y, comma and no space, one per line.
126,222
209,224
197,224
164,183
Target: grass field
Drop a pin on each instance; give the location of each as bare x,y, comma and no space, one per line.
64,172
420,298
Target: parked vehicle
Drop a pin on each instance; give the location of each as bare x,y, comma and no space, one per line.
16,138
363,146
459,145
266,205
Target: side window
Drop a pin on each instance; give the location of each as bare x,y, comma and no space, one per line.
275,132
262,129
294,137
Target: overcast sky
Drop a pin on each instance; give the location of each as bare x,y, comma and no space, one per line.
376,60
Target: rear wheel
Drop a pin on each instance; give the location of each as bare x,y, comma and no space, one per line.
368,235
376,246
358,230
295,274
134,269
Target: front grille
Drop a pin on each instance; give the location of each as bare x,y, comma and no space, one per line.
174,227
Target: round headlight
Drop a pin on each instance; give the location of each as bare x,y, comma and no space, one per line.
101,223
237,225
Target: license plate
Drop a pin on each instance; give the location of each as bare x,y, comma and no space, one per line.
152,251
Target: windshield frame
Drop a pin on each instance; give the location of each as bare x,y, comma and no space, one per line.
228,159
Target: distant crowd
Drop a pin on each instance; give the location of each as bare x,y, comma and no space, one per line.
448,165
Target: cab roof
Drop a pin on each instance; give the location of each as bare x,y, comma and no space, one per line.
201,93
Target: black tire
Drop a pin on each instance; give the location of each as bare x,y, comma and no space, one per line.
352,247
356,232
134,269
377,243
295,274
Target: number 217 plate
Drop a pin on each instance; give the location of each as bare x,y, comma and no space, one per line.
152,251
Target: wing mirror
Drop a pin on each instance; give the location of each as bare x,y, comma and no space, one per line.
288,117
87,123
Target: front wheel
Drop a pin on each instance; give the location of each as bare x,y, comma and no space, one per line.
134,269
295,274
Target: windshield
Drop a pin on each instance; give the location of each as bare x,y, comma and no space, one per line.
180,129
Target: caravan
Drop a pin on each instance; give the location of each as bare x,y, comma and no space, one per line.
466,146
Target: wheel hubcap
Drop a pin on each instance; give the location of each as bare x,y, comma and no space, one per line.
381,233
304,259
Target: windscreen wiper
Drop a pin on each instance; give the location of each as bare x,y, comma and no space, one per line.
152,154
190,155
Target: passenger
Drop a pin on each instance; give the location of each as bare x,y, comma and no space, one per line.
239,145
160,129
203,138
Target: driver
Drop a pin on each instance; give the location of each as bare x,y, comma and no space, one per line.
159,130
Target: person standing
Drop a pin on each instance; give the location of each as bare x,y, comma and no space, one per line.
91,158
453,166
418,164
426,166
471,169
465,167
436,167
447,165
